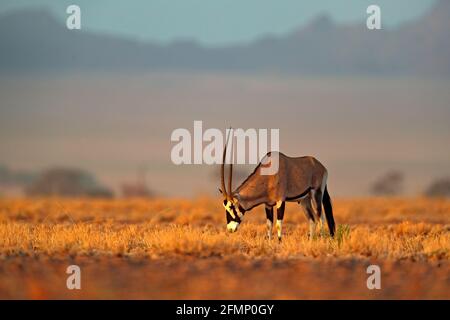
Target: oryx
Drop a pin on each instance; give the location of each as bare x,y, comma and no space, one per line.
302,179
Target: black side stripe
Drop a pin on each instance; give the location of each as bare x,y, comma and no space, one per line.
301,195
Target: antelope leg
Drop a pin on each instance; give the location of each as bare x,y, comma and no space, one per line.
269,223
280,216
312,228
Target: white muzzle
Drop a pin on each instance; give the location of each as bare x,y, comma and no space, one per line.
232,226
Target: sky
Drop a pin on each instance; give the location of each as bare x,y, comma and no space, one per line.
217,22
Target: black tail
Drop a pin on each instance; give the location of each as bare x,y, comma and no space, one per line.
328,212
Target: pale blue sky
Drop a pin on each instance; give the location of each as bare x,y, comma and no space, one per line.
217,22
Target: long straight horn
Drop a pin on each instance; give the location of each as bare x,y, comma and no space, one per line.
222,169
230,179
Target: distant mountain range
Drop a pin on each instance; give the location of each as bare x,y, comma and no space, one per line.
36,41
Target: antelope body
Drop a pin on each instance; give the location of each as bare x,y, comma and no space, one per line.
302,180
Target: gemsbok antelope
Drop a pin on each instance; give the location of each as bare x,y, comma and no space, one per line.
302,180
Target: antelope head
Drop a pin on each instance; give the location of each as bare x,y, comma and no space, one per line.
233,210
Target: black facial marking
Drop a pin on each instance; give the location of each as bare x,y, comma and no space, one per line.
228,215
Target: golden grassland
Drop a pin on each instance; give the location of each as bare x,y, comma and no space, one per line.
182,249
384,228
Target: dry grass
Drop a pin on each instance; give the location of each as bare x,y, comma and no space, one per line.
418,241
43,234
379,228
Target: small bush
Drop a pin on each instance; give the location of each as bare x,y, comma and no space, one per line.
342,233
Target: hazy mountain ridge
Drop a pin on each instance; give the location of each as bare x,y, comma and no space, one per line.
35,40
